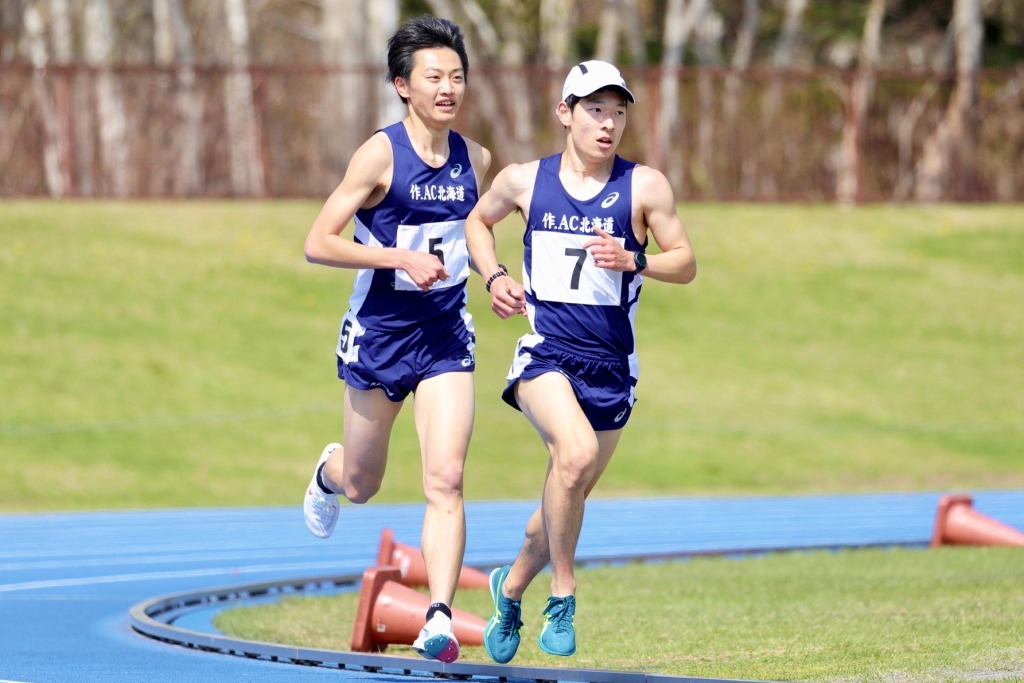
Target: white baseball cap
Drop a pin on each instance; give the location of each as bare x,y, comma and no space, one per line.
589,77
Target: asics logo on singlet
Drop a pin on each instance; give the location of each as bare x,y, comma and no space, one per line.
456,171
609,200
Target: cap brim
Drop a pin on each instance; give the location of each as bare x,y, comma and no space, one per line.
611,86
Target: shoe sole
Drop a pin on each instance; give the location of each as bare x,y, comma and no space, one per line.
556,654
440,647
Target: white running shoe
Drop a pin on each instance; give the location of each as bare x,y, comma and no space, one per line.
437,640
321,509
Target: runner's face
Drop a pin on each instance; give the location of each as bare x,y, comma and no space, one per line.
598,122
436,85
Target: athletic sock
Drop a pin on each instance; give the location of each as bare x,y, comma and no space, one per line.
439,607
320,480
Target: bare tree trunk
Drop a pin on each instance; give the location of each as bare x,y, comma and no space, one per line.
632,22
852,143
173,48
342,48
746,37
6,136
70,91
487,96
11,17
556,41
906,123
764,184
620,18
1006,106
381,23
513,80
556,32
248,177
54,147
509,91
741,57
680,20
60,32
75,104
610,24
954,137
708,45
115,148
790,30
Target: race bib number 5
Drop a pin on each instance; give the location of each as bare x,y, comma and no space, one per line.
445,240
562,270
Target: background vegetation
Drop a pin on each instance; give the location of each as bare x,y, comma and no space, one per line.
181,354
766,100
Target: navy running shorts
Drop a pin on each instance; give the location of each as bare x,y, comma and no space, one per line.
605,387
398,360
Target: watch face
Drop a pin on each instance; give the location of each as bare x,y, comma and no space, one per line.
640,260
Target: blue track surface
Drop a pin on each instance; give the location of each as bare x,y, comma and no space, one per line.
68,581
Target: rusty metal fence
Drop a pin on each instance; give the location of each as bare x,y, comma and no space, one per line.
755,136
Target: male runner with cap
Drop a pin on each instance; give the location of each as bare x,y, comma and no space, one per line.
588,214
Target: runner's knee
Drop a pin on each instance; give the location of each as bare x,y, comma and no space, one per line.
576,466
445,481
360,489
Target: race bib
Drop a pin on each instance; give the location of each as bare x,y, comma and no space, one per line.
445,240
562,270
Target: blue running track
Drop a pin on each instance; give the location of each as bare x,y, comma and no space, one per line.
68,581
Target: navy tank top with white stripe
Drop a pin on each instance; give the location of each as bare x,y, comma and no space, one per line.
569,299
424,209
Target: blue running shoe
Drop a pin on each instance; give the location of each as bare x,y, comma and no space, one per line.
558,637
501,635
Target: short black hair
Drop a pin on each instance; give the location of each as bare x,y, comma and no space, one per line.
572,100
423,33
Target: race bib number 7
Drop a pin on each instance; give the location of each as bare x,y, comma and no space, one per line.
445,240
562,270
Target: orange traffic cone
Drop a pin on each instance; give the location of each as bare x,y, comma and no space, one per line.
409,561
392,614
957,523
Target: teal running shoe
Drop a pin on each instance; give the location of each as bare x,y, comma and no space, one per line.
558,637
501,635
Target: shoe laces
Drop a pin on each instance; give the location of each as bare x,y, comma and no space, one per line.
559,613
511,613
322,505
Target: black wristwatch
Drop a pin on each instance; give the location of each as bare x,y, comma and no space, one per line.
640,261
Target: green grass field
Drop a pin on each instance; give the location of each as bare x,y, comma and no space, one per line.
181,354
950,614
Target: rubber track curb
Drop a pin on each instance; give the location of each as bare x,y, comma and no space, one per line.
154,618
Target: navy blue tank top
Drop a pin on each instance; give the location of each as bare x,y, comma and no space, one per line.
424,209
569,299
